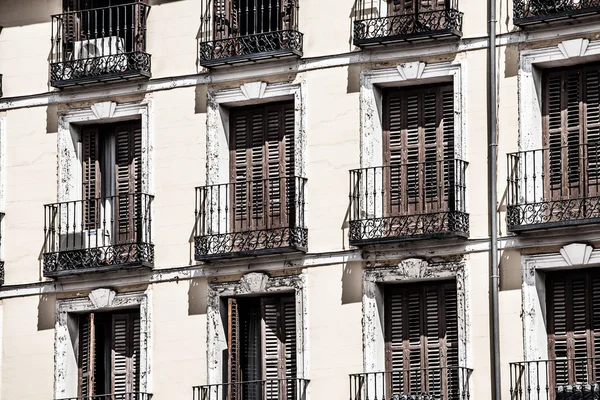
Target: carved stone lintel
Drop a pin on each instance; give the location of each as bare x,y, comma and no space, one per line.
254,90
254,282
102,298
104,109
413,70
576,253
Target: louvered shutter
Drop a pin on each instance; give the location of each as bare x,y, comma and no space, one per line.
591,128
91,177
70,28
226,19
233,346
421,330
86,355
125,353
128,170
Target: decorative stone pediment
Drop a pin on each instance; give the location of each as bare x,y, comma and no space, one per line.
574,47
104,110
254,282
576,253
413,70
102,298
254,90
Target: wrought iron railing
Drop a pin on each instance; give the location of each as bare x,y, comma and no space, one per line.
234,31
1,254
555,186
117,396
528,12
563,379
407,201
250,218
269,389
98,234
99,44
447,383
383,21
1,93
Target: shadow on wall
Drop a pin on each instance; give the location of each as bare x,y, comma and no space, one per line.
353,79
510,270
197,295
46,312
511,61
352,283
201,93
52,119
20,13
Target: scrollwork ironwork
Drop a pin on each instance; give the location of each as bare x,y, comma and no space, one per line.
408,26
409,226
98,258
1,272
251,47
251,242
537,11
553,212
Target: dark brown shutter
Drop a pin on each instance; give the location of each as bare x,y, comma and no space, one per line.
86,356
91,179
226,18
128,171
233,346
421,330
418,149
70,28
125,353
261,157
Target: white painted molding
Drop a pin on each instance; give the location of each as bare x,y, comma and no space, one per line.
104,109
574,47
253,90
576,253
413,70
254,282
102,298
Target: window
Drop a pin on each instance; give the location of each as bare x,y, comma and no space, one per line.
418,149
421,338
109,354
571,132
261,338
573,304
111,178
262,166
401,7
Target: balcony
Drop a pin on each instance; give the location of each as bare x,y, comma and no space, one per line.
564,379
99,45
448,383
381,22
98,235
121,396
250,218
532,12
270,389
553,187
408,201
235,31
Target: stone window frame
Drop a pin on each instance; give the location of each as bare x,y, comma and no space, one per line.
66,332
69,162
217,122
408,74
254,284
533,291
410,271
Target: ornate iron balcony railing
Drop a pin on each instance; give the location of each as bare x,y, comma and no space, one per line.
98,234
408,201
269,389
1,260
250,218
447,383
232,31
564,379
553,187
99,45
530,12
380,22
115,396
1,93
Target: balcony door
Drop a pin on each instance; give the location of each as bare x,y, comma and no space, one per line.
571,133
111,182
573,307
418,149
108,355
262,348
262,167
234,18
404,7
421,340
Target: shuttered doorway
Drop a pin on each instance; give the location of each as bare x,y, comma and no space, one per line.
421,339
261,338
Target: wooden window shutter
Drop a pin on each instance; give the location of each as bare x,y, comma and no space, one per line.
226,19
233,346
128,170
421,331
86,356
91,176
125,353
591,128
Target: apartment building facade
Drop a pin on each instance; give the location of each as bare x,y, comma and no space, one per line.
287,199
